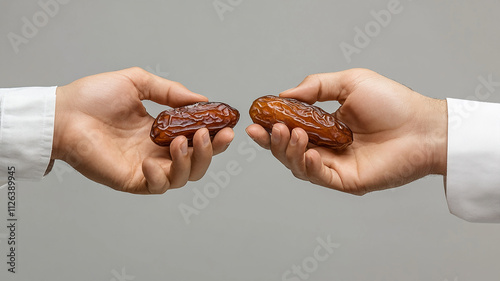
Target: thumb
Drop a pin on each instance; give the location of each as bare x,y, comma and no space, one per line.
325,86
161,90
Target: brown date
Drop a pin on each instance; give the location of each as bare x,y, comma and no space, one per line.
186,120
322,128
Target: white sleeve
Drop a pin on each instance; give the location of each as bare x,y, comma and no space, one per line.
473,168
26,131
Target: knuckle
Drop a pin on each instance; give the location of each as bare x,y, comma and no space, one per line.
138,70
357,191
363,71
197,177
173,186
312,77
282,159
299,175
156,191
290,156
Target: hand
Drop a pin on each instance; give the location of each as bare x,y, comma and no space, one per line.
399,135
102,130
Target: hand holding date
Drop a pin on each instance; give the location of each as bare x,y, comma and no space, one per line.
186,120
322,128
102,130
399,135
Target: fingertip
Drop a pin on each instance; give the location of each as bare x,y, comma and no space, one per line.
280,126
201,138
314,168
163,91
184,148
202,154
313,160
275,135
181,163
320,174
230,133
280,134
180,96
255,131
280,137
301,136
222,140
305,91
259,135
306,81
157,181
179,147
251,130
198,97
288,93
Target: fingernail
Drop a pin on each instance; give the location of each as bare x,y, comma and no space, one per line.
275,135
206,139
246,130
184,147
295,138
308,160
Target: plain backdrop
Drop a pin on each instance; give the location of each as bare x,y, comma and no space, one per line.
263,222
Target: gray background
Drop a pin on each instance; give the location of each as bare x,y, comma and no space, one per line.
265,221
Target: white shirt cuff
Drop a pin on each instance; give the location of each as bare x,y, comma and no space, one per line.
26,131
473,168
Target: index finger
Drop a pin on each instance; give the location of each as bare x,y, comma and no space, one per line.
161,90
326,86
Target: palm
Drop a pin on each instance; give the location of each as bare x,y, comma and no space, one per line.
112,132
382,123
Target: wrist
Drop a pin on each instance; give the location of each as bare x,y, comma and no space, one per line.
57,145
437,136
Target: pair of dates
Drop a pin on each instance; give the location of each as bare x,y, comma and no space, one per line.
322,128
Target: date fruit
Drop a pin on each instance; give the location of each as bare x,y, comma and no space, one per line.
186,120
322,128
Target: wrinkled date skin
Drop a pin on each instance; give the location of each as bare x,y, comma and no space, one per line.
322,128
186,120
